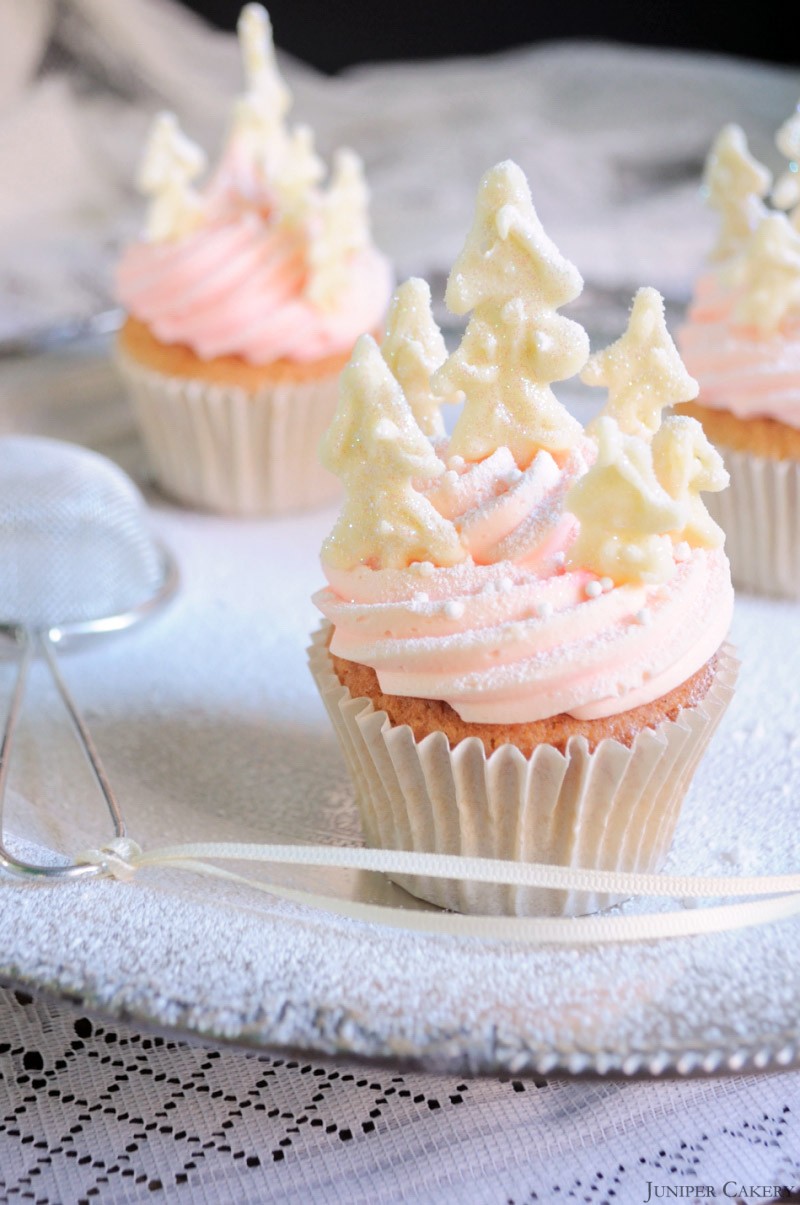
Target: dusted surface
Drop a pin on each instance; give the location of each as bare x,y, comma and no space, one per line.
212,729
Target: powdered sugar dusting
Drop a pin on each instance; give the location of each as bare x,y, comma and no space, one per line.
208,733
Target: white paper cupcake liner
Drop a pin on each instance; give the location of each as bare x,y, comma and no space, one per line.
231,451
760,515
615,808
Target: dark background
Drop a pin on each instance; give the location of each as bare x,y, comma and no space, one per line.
332,34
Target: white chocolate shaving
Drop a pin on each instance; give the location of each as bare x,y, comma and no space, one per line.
642,371
375,446
342,229
516,343
735,184
414,348
170,162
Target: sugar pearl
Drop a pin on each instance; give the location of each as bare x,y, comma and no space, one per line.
593,589
421,597
606,584
454,610
643,617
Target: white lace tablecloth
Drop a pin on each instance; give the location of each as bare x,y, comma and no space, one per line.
92,1109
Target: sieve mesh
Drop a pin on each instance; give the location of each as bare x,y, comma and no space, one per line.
74,541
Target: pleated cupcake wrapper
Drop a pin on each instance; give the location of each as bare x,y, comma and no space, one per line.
615,808
231,451
760,515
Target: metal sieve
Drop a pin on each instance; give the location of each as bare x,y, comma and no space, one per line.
77,559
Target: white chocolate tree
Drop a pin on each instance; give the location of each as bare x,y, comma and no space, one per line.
769,275
170,163
342,229
642,371
625,513
685,464
516,344
259,130
414,348
298,174
735,184
375,446
786,193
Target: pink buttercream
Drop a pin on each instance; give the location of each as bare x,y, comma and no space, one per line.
236,286
739,368
509,635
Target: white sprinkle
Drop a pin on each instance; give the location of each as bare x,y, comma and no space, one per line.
425,569
454,610
544,610
593,589
505,585
606,584
559,558
682,551
450,478
643,617
421,597
456,462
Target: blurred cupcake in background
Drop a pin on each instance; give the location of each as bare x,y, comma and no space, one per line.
741,340
244,297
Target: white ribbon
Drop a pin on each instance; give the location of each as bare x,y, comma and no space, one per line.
123,859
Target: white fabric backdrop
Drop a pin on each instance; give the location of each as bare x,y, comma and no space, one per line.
82,78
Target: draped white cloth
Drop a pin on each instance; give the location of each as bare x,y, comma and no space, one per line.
612,139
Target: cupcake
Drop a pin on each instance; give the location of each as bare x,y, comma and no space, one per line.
741,340
523,652
244,298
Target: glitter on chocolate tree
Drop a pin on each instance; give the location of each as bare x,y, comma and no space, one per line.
642,371
625,513
686,464
516,344
413,349
375,446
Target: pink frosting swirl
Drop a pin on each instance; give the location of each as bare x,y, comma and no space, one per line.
236,286
510,635
739,368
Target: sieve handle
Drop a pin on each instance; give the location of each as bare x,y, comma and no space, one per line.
30,643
